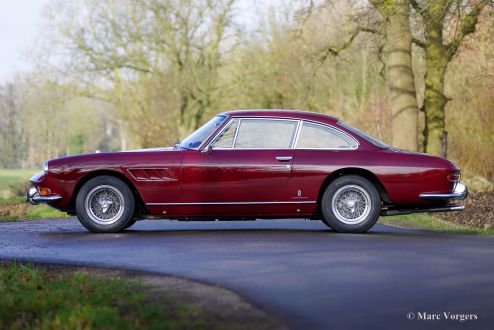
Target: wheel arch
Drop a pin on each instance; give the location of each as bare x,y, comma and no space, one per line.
354,171
140,206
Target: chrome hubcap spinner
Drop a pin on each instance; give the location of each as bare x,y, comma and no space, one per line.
351,204
104,204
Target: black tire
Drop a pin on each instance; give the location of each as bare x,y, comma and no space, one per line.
344,198
131,223
117,199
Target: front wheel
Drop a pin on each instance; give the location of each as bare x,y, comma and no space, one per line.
351,204
105,204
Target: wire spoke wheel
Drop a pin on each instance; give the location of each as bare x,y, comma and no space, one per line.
351,204
104,204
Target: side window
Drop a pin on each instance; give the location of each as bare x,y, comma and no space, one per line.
225,139
266,134
313,136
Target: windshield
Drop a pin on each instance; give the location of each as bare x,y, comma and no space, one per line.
364,135
197,138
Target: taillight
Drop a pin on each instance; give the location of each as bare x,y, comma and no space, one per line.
453,177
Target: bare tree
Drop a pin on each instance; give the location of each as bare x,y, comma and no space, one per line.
118,50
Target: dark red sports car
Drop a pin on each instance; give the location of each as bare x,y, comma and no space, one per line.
245,165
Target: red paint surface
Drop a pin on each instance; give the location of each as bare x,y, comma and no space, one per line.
196,176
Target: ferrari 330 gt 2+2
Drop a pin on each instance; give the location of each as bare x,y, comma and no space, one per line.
253,164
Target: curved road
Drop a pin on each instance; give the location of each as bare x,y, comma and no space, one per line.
298,270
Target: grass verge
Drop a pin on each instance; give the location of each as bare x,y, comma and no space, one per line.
13,206
430,222
16,208
33,297
14,182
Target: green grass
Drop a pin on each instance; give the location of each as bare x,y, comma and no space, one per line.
13,206
36,298
11,181
12,200
429,222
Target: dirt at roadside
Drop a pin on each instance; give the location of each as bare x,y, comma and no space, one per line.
13,210
479,211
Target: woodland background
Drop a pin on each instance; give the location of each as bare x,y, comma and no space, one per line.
118,75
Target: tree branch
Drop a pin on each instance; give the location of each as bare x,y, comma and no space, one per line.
336,50
468,26
419,42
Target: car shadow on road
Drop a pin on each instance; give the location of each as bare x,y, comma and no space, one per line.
380,231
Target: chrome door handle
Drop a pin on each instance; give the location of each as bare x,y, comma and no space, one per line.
284,158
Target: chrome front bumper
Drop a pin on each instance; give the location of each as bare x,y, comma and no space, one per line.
34,198
459,192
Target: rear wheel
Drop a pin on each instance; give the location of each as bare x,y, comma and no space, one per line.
351,204
105,204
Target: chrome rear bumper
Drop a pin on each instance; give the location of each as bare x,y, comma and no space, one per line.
459,192
33,197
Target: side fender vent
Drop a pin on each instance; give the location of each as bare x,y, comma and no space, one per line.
153,174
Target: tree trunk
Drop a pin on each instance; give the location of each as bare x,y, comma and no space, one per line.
434,99
399,73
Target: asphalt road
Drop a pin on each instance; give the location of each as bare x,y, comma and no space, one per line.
298,270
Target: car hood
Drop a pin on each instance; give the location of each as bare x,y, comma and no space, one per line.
149,149
114,159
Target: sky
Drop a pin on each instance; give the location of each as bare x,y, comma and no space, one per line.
20,21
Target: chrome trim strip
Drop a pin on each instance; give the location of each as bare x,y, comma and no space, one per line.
215,136
460,192
236,132
233,203
220,128
220,133
331,128
47,199
299,128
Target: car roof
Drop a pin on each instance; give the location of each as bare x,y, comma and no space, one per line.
295,114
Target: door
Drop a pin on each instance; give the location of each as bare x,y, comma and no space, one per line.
319,150
249,163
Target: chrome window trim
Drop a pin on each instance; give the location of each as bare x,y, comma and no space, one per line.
236,133
330,127
299,128
215,137
292,138
221,127
295,141
232,203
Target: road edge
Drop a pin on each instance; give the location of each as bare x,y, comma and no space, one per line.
217,301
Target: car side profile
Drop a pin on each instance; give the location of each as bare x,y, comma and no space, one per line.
253,164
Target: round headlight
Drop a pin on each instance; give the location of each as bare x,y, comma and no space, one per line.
45,167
